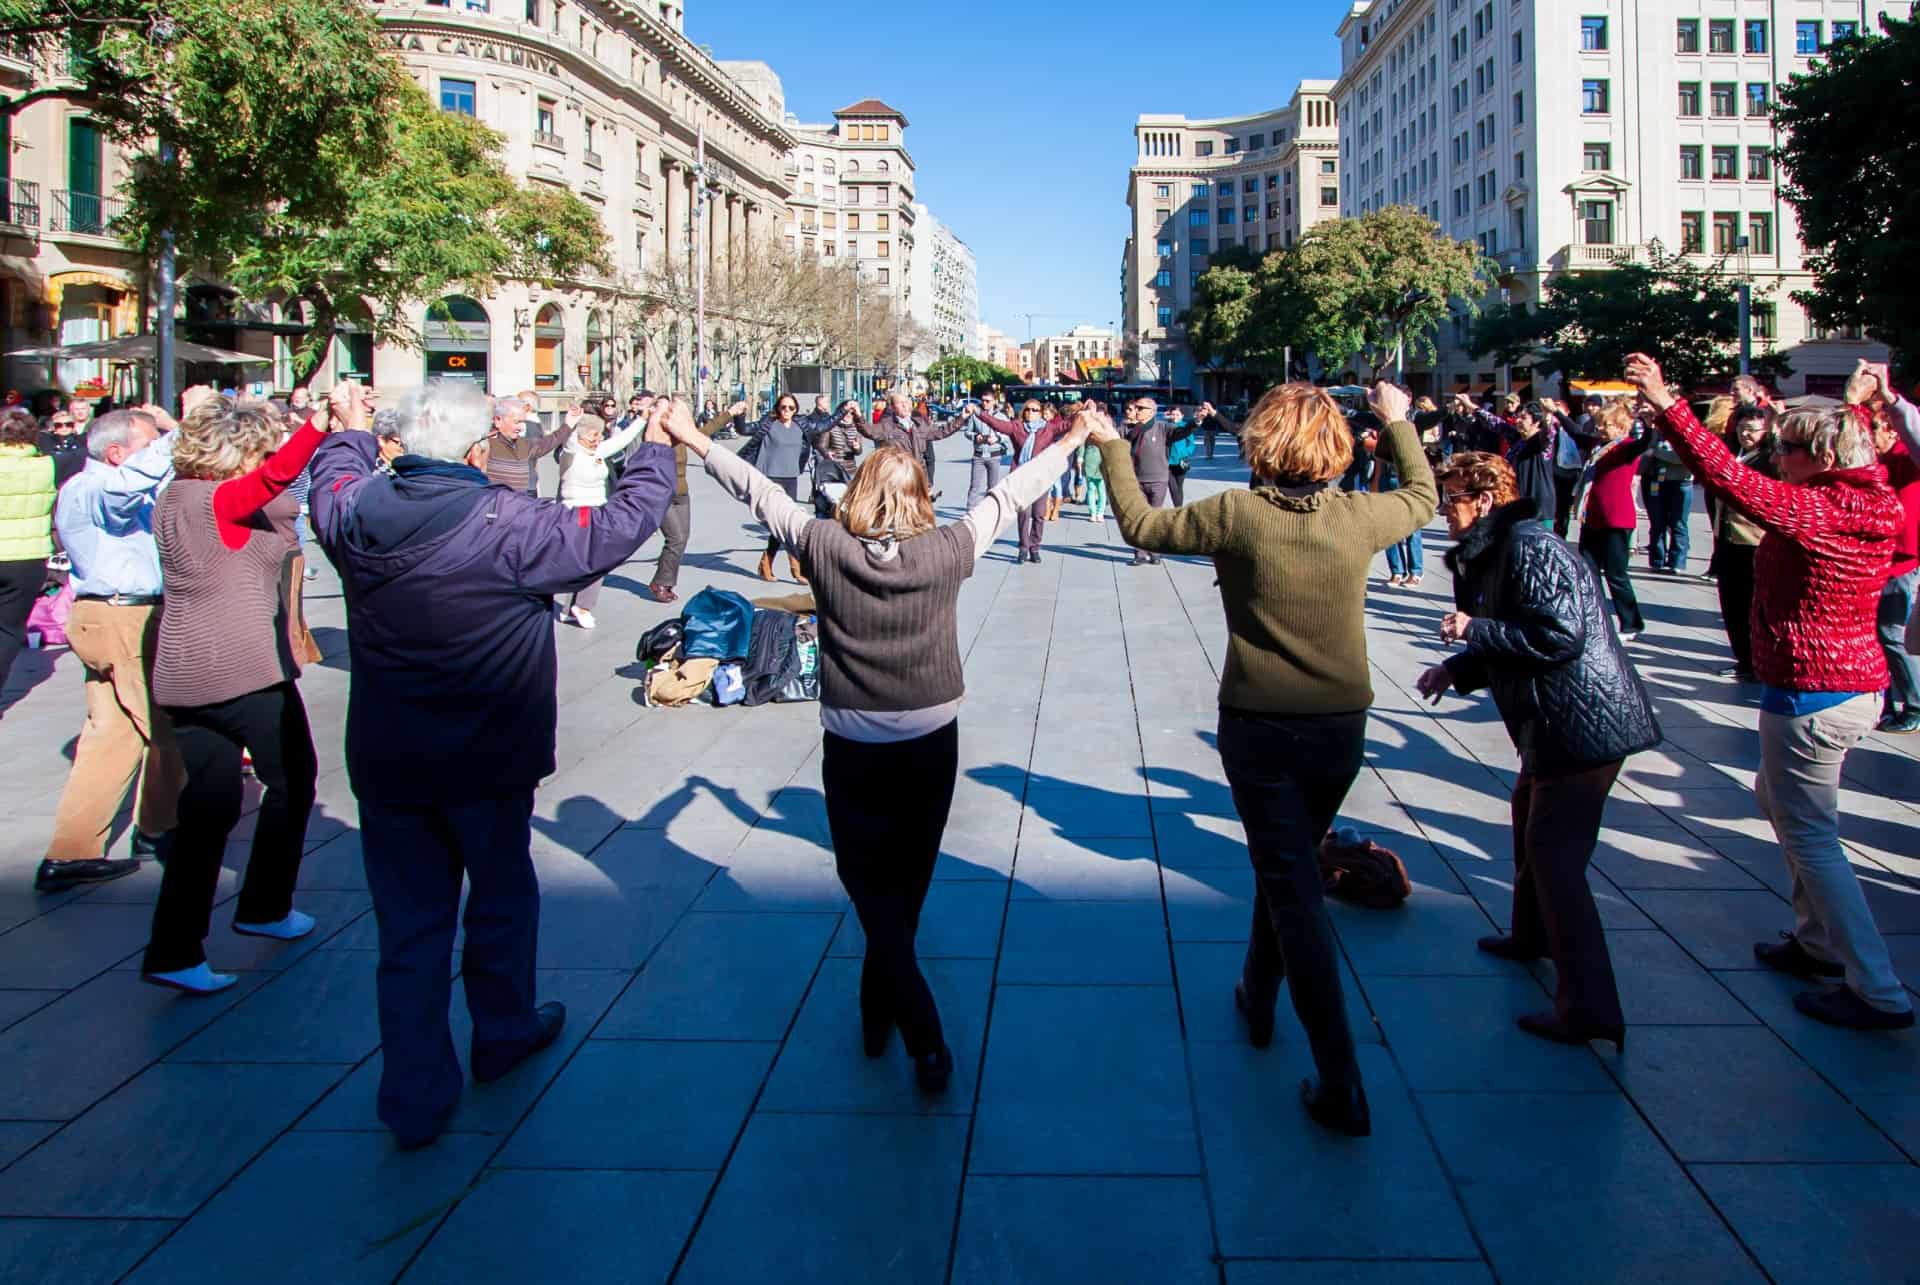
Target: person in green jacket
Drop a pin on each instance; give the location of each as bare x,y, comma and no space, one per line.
26,529
1096,483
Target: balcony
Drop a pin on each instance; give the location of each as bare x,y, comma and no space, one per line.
23,211
1598,256
593,160
541,138
85,213
1515,259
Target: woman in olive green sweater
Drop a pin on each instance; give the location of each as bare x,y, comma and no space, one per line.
1292,556
26,529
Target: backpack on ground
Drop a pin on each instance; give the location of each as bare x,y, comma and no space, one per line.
1360,872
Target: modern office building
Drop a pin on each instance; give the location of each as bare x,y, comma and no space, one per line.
944,299
1565,135
1197,186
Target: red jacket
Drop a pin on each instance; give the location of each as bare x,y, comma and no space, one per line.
1820,566
1015,428
1903,474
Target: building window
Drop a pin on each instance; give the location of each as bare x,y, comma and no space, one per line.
1250,185
1198,218
853,221
1759,163
849,196
1256,141
1226,189
1690,161
546,122
1593,97
1761,319
1720,35
1693,232
1759,98
1197,247
1233,145
1756,33
1226,215
1163,279
1326,167
1329,196
886,248
885,223
1689,98
1597,157
1519,49
1726,231
1593,35
1760,233
1726,163
1161,216
1201,191
1721,99
1203,149
1596,218
1519,109
1806,38
1163,191
1843,30
1687,36
1164,315
883,275
457,96
1164,248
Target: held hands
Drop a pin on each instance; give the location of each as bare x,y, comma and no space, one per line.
1389,402
1206,411
1093,425
738,408
1435,683
1882,379
1454,626
1643,372
673,421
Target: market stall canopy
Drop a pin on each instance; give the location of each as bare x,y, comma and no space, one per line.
1603,387
140,348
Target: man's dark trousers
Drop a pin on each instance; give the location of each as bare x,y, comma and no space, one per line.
414,861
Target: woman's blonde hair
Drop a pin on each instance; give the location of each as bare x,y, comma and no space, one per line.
887,497
1719,416
1296,434
222,439
1616,415
1836,430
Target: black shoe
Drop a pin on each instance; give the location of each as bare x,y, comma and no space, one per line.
413,1139
1509,948
488,1067
58,876
1902,724
1550,1026
1259,1026
875,1032
933,1070
1034,557
1788,956
152,847
1841,1006
1341,1110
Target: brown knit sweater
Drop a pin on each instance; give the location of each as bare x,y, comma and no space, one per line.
223,622
1293,574
888,638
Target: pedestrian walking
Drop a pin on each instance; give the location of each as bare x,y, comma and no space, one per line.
105,520
1146,435
1291,557
1831,522
451,716
886,579
1095,473
1532,619
224,670
1896,440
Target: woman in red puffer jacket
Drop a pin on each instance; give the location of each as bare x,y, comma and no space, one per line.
1830,523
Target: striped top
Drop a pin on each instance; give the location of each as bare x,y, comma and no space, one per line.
223,622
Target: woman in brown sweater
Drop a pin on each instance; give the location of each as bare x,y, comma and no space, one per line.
886,579
224,670
1292,555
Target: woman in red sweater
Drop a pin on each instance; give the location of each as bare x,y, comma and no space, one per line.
224,669
1605,505
1830,522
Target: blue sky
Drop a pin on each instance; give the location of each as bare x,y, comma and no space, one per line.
1021,116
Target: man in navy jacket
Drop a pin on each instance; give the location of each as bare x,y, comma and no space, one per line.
451,719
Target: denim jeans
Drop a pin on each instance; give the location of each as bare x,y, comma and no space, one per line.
1667,511
1903,668
1798,788
1408,557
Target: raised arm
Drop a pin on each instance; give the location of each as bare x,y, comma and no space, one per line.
784,518
236,500
1392,516
548,443
612,446
940,432
344,460
140,474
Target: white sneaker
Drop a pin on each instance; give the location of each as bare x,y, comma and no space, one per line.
296,925
583,618
1628,635
565,615
198,980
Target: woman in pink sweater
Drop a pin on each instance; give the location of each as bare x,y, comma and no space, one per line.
1605,505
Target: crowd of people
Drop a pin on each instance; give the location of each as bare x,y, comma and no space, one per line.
184,544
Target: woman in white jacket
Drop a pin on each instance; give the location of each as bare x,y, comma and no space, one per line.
583,485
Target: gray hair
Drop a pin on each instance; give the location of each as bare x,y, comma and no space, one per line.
386,423
509,408
442,420
1833,430
110,430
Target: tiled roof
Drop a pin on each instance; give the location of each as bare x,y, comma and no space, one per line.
871,107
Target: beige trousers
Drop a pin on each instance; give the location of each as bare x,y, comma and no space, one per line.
125,742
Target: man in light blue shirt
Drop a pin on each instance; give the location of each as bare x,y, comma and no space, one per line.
105,519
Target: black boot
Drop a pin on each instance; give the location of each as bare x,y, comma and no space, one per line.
1338,1108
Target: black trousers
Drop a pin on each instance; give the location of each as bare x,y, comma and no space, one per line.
791,485
1289,775
1564,486
1610,550
1733,569
675,527
415,858
20,584
1156,493
1177,486
886,838
1556,825
271,725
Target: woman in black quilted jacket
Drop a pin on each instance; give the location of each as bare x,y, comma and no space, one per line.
1534,621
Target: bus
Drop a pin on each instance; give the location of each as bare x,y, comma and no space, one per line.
1110,396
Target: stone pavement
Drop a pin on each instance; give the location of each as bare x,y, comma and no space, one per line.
707,1116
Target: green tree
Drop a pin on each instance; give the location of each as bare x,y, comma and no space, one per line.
1218,324
1684,313
1852,126
1363,287
958,370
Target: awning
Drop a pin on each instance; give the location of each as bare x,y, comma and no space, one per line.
1605,387
139,349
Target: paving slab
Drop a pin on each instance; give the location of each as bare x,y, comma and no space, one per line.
1207,971
1855,1062
1119,1231
76,1251
1835,1224
322,1009
1084,943
1457,1034
1399,1272
960,920
723,977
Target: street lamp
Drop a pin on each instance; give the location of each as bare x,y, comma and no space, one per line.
1744,293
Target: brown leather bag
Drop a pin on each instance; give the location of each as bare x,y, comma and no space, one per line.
1363,874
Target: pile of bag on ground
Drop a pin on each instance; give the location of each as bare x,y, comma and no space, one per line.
724,650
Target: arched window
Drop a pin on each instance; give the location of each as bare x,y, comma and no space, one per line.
459,339
806,163
550,347
883,167
853,166
828,168
599,356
